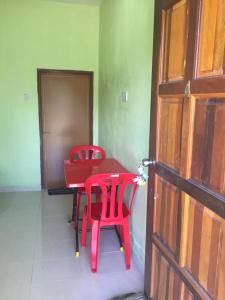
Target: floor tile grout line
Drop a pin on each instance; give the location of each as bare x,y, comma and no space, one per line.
40,269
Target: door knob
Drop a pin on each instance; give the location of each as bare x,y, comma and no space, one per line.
148,162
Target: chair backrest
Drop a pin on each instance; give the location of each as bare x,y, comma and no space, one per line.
113,187
85,152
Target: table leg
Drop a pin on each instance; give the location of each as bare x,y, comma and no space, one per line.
75,219
74,205
73,209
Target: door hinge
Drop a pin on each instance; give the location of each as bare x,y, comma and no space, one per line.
187,90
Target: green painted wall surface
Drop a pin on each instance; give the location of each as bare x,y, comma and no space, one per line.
126,37
38,34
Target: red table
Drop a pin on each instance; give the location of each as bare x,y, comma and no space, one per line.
76,174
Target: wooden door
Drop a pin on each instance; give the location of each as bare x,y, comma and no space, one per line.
185,248
65,110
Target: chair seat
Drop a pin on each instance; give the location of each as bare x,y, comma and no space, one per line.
96,210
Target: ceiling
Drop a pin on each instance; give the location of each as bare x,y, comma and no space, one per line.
87,2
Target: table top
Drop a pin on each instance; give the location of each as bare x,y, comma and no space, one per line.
77,172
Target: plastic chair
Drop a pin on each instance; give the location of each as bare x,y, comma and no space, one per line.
85,152
110,211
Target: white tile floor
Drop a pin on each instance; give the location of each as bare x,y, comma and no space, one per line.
37,259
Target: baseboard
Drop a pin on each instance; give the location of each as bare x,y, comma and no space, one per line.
11,189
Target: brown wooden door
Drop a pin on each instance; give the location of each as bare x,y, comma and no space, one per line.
65,99
185,248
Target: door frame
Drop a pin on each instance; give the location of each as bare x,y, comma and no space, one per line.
152,147
91,94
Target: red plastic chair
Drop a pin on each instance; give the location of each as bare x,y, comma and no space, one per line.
85,152
109,212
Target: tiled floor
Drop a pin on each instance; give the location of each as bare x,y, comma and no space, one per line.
37,259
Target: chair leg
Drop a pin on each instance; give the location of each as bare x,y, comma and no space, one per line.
94,245
126,239
84,229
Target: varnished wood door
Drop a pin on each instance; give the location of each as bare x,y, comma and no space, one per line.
185,248
65,110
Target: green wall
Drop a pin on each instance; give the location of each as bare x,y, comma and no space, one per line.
117,43
38,34
126,36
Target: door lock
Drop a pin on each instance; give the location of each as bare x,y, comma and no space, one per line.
148,162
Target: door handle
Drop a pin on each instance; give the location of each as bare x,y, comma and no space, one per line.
46,132
148,162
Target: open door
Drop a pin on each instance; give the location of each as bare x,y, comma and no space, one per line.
185,247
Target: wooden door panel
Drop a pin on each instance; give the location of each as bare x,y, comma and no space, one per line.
201,245
186,207
65,99
166,283
212,38
208,160
221,273
187,295
65,113
53,167
169,131
174,37
167,214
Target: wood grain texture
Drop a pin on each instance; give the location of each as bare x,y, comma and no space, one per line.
212,38
208,161
163,278
185,276
166,214
217,171
185,228
198,140
187,295
203,248
167,284
154,272
205,196
187,140
221,279
170,129
175,34
187,136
